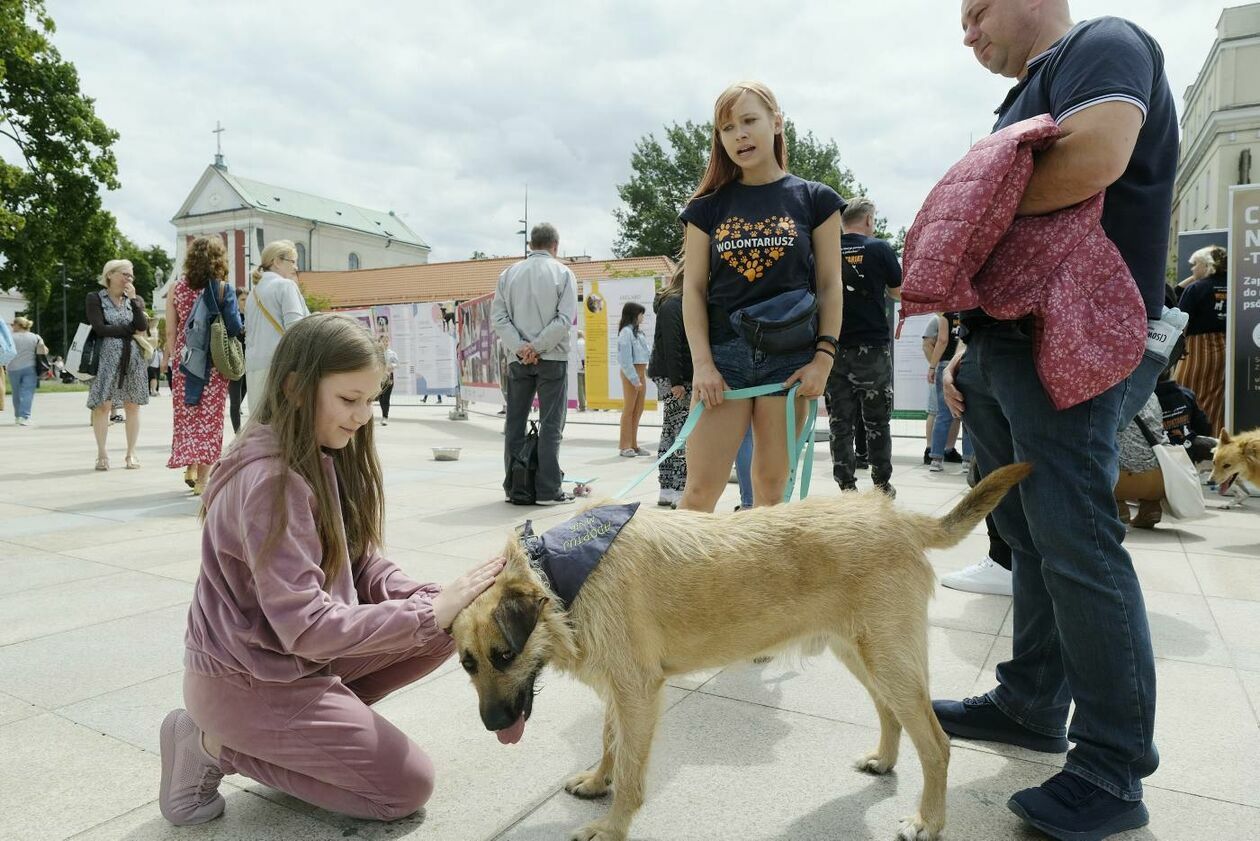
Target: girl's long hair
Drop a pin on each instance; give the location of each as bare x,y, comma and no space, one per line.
673,289
629,313
722,170
312,349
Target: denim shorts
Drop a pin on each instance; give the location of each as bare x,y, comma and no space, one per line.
743,367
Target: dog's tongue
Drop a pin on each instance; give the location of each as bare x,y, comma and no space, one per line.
1223,487
512,735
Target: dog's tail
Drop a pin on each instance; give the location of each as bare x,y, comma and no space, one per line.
979,501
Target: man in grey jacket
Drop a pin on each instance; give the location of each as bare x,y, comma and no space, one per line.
534,308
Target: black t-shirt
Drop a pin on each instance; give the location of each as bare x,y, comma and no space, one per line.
1205,302
1183,419
760,242
954,320
1112,59
870,267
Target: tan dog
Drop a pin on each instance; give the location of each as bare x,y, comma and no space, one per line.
1237,456
682,591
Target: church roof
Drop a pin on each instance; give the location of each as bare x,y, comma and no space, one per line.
306,206
455,281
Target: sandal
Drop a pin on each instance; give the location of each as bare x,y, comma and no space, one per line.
102,463
132,463
190,476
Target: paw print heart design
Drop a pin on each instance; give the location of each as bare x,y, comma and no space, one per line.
751,248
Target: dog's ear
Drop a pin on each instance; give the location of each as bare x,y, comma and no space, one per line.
1224,436
517,615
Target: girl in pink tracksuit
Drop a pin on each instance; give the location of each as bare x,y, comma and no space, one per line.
298,624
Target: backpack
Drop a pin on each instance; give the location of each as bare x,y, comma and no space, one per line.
524,470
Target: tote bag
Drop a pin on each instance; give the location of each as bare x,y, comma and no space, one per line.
1183,497
83,356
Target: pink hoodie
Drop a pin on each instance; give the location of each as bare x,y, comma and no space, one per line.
270,617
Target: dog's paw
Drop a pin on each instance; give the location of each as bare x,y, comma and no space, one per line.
587,784
914,829
873,763
597,831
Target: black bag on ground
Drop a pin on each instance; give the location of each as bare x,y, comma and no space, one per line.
524,470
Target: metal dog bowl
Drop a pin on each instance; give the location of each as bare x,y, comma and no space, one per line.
446,453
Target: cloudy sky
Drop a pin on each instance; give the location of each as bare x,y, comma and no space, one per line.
443,112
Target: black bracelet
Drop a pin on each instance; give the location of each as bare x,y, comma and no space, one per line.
831,340
827,351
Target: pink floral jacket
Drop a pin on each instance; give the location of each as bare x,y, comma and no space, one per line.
967,250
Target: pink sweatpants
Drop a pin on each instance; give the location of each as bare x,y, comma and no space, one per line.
316,738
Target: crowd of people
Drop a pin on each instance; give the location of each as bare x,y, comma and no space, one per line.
781,284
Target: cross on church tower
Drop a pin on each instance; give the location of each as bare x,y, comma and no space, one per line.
218,145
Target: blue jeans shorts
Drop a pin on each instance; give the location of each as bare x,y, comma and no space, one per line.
743,367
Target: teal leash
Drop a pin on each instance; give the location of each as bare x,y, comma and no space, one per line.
794,447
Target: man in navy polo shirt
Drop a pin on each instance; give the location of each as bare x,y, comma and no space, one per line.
1081,633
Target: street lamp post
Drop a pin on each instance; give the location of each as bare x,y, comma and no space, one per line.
65,291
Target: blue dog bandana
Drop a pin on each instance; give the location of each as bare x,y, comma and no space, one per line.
565,555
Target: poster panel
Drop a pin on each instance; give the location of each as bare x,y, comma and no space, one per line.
1242,319
910,366
481,356
601,314
424,340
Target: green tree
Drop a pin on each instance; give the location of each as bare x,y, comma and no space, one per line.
50,207
665,175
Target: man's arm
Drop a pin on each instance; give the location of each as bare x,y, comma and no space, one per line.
502,321
893,267
1092,154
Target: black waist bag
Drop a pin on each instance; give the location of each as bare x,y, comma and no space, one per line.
783,324
524,469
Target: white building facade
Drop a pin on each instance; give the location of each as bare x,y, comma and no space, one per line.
329,235
1220,125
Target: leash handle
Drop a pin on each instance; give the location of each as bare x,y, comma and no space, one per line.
794,447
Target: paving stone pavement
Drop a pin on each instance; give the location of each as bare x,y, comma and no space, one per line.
96,571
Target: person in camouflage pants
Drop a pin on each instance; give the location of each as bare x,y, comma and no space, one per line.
861,376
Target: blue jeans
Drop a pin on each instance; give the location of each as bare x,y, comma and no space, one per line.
1081,631
1141,387
743,470
940,427
24,382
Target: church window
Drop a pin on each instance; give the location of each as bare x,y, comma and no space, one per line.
354,261
301,250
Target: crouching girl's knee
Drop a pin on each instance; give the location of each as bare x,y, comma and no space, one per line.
409,788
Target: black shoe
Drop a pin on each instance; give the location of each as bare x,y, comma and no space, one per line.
927,455
561,498
952,456
1071,808
845,487
979,718
887,489
862,464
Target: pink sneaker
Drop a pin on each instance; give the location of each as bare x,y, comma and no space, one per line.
189,792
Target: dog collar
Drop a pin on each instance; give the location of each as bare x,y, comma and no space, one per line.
565,555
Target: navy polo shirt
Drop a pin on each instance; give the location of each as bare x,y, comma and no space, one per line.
1105,60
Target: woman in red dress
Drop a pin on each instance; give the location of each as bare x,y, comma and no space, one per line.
197,433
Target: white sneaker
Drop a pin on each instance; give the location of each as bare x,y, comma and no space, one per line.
668,497
628,453
937,466
384,421
986,576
